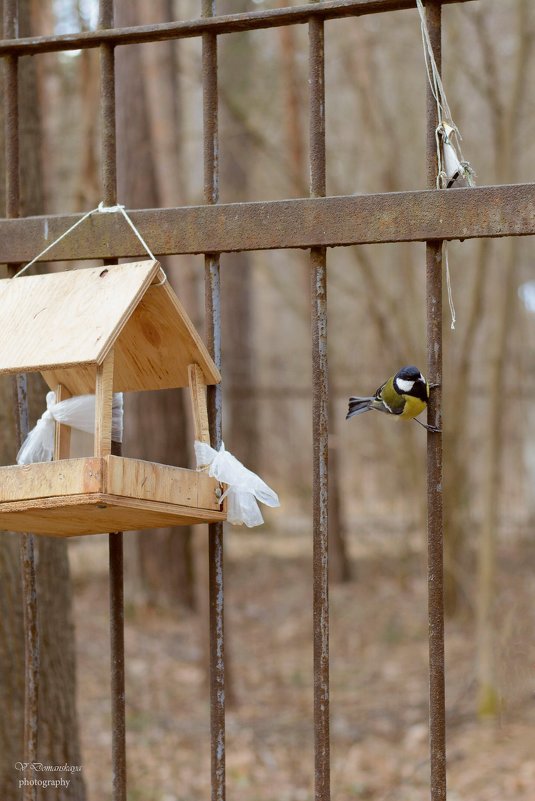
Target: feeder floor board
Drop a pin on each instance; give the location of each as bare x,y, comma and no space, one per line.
94,495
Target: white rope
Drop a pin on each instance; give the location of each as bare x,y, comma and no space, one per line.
448,285
450,161
437,87
100,209
447,133
55,242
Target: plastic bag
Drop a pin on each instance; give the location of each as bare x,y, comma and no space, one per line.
453,165
245,488
77,412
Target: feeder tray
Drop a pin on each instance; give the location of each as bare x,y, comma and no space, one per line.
102,330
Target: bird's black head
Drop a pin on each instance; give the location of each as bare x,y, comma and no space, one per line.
410,381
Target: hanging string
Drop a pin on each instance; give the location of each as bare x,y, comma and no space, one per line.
450,161
100,209
448,285
433,75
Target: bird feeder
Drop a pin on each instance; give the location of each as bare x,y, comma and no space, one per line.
103,330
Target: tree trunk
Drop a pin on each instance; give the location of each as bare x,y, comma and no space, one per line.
238,348
57,736
506,119
155,423
457,478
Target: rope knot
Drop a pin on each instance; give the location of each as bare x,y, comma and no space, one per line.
109,209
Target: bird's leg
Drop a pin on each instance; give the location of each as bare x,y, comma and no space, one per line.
434,429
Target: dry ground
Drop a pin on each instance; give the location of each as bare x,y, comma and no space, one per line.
378,675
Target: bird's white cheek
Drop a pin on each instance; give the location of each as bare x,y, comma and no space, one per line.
404,386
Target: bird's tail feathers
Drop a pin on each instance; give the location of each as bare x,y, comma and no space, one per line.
358,406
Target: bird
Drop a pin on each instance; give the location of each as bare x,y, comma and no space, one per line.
405,395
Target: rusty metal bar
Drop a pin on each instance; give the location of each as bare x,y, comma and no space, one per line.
30,615
116,590
229,23
27,541
213,337
115,539
107,108
320,422
485,211
11,125
332,221
435,536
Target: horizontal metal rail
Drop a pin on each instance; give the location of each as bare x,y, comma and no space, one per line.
486,211
230,23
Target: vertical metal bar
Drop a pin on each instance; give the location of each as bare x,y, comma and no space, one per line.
109,196
437,711
11,86
27,543
320,422
118,748
107,109
213,336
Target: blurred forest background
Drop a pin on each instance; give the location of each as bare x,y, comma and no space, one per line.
375,83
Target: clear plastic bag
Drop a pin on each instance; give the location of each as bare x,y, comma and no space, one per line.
77,412
245,488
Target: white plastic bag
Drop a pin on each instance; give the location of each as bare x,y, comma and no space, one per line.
453,165
245,488
77,412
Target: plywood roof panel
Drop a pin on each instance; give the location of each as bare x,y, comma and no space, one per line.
63,324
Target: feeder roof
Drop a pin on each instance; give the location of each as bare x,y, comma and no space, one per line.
64,324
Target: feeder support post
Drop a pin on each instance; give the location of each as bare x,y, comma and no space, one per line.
62,439
103,406
197,387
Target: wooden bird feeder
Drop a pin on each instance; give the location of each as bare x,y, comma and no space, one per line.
103,330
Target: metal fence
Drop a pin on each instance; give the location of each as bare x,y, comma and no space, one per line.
315,223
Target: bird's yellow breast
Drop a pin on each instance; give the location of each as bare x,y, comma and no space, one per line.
413,407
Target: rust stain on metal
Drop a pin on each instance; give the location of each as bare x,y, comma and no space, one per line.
107,108
214,398
437,711
320,422
115,539
116,589
11,128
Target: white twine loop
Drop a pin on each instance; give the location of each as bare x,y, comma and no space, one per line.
244,489
100,209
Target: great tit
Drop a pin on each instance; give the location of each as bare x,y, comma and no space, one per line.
404,395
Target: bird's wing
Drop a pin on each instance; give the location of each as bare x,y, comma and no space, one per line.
388,398
378,391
